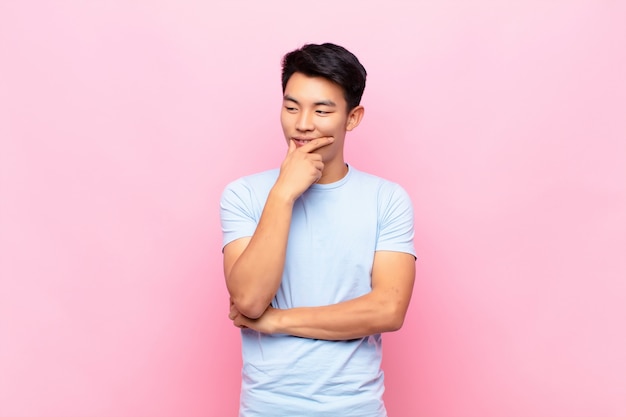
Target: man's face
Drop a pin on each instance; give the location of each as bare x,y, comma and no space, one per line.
315,107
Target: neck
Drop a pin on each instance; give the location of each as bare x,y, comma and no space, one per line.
333,173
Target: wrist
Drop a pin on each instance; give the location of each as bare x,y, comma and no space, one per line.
278,321
280,194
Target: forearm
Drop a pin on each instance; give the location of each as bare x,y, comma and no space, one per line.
253,266
360,317
381,310
256,274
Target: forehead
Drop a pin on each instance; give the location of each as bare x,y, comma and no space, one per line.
307,89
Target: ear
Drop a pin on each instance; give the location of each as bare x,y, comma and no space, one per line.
354,117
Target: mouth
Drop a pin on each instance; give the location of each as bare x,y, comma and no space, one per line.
301,141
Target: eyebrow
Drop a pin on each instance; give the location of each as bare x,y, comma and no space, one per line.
330,103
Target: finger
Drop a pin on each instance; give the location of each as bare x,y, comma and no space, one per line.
239,322
292,146
317,143
233,313
319,165
313,156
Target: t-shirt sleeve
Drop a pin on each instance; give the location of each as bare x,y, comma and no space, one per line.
237,212
396,231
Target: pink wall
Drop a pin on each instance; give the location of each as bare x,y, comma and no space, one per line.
120,122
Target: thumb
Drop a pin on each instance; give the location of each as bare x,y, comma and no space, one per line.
292,146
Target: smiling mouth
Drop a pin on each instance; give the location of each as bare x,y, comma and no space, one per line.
301,142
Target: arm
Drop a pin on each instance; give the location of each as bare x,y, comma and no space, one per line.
253,266
381,310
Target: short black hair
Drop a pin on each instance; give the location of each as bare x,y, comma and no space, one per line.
330,61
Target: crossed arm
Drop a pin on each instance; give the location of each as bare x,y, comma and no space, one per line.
381,310
253,267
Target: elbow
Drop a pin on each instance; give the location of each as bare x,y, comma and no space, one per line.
396,323
394,319
252,309
247,303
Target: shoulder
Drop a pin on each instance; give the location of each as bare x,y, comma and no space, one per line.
259,183
384,188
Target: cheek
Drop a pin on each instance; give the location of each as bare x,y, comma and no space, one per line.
284,121
330,127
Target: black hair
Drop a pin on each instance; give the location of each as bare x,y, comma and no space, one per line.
330,61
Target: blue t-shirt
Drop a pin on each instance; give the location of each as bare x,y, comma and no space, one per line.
335,230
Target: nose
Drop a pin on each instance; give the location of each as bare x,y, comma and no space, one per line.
304,123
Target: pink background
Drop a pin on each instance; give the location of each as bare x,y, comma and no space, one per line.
121,122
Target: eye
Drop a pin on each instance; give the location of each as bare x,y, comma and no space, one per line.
290,109
322,112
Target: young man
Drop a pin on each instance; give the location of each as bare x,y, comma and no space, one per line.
318,256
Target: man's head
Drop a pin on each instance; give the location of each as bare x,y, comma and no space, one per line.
322,89
330,61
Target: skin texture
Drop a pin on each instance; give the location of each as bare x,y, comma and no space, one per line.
315,120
